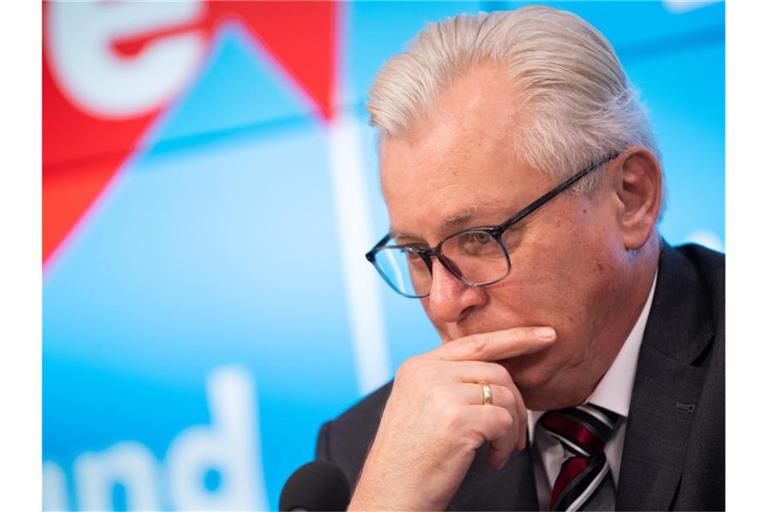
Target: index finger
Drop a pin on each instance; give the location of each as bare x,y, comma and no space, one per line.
497,345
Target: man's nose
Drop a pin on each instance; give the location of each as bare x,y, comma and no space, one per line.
450,299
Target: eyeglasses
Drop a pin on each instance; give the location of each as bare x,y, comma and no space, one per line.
476,256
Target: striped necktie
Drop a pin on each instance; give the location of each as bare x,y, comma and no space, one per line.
584,481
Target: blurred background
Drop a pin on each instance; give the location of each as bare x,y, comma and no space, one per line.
209,190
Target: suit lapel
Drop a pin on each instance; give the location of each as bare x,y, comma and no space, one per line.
511,488
666,389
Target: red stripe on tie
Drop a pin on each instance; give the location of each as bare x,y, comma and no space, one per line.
570,469
574,432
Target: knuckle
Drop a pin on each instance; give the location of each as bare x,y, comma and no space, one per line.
505,419
423,373
501,375
453,417
498,372
434,395
521,334
410,365
403,370
504,395
475,437
478,343
407,371
514,400
508,379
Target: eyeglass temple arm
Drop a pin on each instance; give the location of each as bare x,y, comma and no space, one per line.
552,193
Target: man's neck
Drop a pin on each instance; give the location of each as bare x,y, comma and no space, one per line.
636,288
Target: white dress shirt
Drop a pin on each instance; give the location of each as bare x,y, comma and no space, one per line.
613,392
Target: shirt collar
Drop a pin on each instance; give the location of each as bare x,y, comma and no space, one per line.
614,391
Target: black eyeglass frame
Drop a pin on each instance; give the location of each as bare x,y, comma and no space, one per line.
426,254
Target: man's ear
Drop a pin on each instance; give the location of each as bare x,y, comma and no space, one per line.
638,185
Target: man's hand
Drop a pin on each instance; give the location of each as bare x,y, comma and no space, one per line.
435,421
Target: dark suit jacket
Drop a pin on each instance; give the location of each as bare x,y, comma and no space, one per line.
674,449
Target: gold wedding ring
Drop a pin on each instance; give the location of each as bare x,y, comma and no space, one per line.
487,396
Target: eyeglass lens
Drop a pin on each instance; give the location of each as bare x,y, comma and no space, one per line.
476,257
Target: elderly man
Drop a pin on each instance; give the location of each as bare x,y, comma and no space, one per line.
582,358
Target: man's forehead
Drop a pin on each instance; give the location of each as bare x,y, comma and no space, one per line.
478,112
457,168
440,165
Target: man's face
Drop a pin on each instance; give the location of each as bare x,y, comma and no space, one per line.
459,169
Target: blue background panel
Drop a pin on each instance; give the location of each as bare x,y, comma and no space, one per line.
203,302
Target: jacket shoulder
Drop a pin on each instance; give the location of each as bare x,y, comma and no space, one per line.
710,266
709,263
690,328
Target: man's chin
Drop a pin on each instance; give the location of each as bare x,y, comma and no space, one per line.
530,376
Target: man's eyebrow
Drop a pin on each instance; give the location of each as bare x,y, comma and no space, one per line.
461,218
400,235
450,224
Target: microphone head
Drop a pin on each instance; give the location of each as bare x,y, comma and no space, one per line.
318,485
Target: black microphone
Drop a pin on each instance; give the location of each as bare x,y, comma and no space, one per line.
318,485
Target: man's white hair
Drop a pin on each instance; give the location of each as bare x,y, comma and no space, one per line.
574,97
